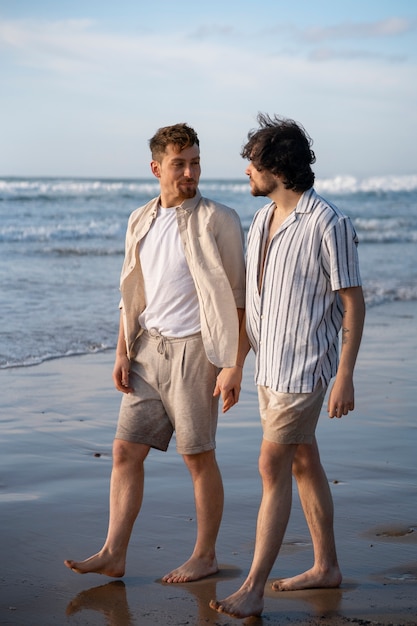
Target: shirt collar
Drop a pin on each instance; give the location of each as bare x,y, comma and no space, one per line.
305,204
188,205
191,203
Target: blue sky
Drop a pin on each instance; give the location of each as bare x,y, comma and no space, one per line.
85,83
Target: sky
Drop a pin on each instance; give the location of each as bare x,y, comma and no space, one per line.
85,83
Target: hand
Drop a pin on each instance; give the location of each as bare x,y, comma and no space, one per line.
121,372
341,397
228,385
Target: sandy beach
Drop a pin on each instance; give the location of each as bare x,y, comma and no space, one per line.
57,425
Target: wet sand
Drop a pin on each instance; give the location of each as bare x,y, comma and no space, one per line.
57,425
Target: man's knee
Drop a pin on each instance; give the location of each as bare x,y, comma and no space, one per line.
201,461
128,453
274,459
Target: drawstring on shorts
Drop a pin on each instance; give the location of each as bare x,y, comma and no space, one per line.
162,344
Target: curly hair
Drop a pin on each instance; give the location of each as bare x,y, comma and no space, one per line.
180,135
283,147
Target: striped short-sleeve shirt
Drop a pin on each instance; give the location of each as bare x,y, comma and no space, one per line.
294,320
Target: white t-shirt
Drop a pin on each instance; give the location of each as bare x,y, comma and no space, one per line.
171,299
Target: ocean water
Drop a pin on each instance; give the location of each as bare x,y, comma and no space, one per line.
62,243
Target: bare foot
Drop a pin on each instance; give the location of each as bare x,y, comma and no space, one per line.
243,603
193,569
311,579
100,563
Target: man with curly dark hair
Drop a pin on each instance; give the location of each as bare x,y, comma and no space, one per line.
303,285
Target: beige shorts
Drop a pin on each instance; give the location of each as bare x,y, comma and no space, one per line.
290,417
173,384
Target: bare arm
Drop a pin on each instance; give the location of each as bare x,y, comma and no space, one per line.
230,378
342,395
122,364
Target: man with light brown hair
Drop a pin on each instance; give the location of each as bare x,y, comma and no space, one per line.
182,298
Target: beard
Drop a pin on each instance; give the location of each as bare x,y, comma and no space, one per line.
265,189
187,189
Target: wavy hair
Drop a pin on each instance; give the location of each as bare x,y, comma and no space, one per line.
283,147
180,135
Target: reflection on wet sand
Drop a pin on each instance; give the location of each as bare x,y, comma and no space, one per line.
323,602
109,599
205,590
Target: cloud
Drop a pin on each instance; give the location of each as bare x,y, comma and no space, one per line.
50,45
208,31
210,53
391,27
331,54
75,54
75,47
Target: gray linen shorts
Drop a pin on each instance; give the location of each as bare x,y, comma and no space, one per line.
290,417
173,384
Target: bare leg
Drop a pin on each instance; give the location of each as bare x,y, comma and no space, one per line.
275,465
126,494
317,503
208,494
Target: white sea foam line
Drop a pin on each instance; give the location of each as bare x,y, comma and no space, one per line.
336,184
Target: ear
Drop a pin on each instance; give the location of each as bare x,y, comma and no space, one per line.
156,169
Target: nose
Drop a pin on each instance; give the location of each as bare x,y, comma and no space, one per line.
189,170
